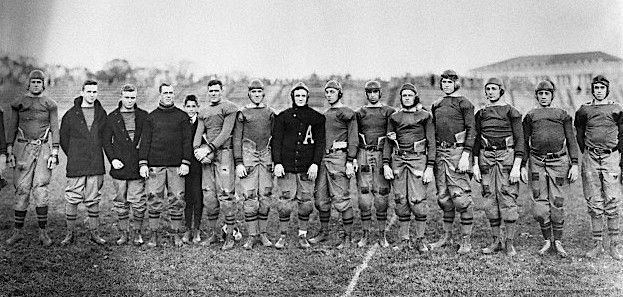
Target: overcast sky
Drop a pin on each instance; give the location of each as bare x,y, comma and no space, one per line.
295,38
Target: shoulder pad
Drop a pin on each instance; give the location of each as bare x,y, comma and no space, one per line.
437,101
49,103
347,113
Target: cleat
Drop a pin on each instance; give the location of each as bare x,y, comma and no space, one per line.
124,238
153,240
69,238
344,242
364,239
597,250
465,247
210,240
250,242
229,243
138,239
177,240
446,239
510,248
559,250
383,240
44,239
265,241
320,237
186,238
615,253
281,243
546,247
303,243
96,238
197,237
494,247
16,237
421,245
405,244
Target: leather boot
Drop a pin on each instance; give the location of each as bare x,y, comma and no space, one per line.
137,238
187,237
495,246
196,236
405,244
466,245
265,241
597,249
229,242
95,237
153,239
323,235
303,243
546,247
44,238
446,239
248,245
364,239
615,253
421,245
281,243
559,249
177,240
16,237
69,238
510,248
123,239
344,242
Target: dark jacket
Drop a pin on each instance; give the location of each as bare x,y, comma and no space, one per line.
195,165
82,146
298,139
166,139
118,144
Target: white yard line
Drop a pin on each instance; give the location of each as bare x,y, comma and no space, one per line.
364,264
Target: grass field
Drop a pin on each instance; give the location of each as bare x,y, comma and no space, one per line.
86,269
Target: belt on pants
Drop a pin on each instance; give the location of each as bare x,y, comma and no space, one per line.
446,144
548,156
32,141
404,152
333,150
493,148
600,151
370,148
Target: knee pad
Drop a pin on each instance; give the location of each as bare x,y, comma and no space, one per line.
306,208
420,209
380,203
365,205
462,203
445,203
365,190
384,191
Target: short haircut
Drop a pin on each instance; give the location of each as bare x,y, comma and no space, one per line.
164,84
128,88
88,82
191,97
214,82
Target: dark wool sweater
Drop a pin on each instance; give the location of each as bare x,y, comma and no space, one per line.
372,123
290,146
255,124
600,126
411,127
341,126
546,130
452,115
497,122
166,139
83,146
120,145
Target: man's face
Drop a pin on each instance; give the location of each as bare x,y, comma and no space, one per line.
128,99
300,97
191,108
544,98
373,96
492,92
256,96
332,95
447,85
407,98
36,86
166,95
214,93
600,91
89,93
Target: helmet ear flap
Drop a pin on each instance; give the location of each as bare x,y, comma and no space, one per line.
457,84
501,92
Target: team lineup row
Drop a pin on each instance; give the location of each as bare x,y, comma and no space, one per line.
204,158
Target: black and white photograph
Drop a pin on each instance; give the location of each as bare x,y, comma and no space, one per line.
311,148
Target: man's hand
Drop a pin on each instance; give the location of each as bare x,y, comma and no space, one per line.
312,172
183,170
278,171
2,164
388,173
241,170
201,152
52,161
428,175
10,160
464,162
524,175
476,170
513,177
144,171
573,173
355,165
350,171
116,164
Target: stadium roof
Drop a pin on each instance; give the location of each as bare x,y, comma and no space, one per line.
546,60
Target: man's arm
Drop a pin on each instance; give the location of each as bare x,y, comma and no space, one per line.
145,144
353,139
320,139
467,109
107,140
572,145
430,141
64,133
527,130
187,147
277,139
228,125
237,138
518,137
580,127
53,118
389,142
12,128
